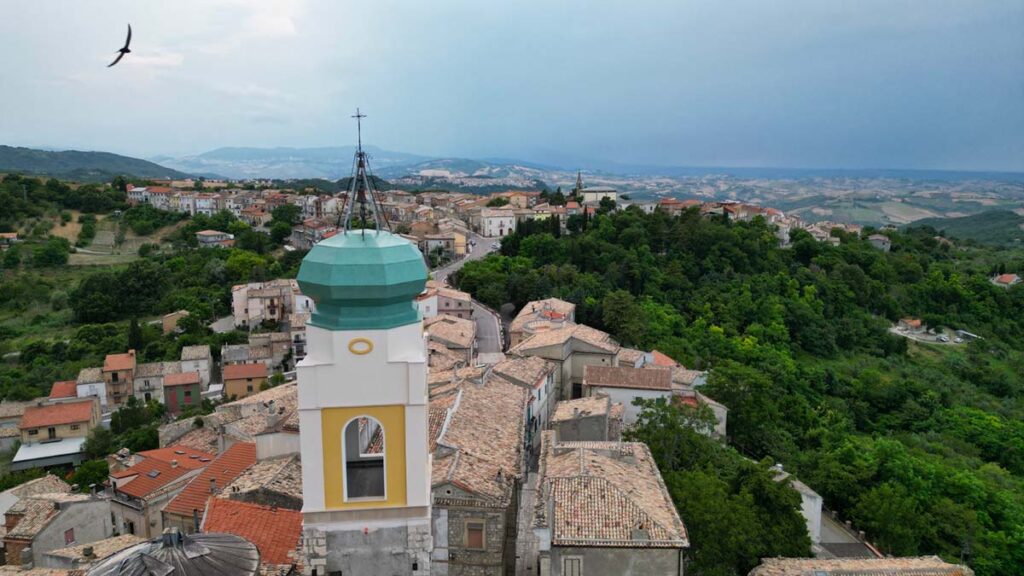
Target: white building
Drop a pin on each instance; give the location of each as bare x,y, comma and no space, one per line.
497,222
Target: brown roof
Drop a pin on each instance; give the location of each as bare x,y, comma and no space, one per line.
630,355
528,371
223,471
64,389
592,336
183,378
13,408
90,375
197,352
581,408
36,512
621,377
282,475
602,493
186,457
48,484
550,308
150,475
274,531
239,371
914,566
57,414
1007,278
662,359
484,435
451,330
125,361
100,549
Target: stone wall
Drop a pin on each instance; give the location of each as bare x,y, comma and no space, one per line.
398,550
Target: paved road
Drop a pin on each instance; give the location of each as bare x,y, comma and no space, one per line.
488,330
481,249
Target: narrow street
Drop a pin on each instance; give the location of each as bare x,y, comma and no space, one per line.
488,323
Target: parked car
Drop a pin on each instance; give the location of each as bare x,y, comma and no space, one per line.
943,338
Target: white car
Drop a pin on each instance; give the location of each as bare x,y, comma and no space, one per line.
943,338
495,246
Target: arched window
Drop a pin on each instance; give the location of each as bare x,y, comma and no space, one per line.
363,458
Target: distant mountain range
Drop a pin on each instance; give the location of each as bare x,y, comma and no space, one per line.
80,166
330,163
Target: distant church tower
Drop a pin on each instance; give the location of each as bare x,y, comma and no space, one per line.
578,190
363,402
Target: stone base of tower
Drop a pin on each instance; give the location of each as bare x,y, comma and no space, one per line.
382,549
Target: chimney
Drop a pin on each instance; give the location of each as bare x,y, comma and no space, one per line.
174,463
92,490
195,519
87,552
213,485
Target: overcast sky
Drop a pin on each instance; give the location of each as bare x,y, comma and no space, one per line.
815,83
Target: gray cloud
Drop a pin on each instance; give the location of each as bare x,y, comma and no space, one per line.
875,83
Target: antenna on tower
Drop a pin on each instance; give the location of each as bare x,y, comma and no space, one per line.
360,188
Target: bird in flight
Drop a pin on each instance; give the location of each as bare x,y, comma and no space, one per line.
125,50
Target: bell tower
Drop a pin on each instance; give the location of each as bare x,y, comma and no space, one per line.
363,406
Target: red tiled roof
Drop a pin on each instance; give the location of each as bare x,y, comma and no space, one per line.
236,371
152,476
56,414
223,471
181,379
65,389
661,359
124,361
1006,278
188,458
274,531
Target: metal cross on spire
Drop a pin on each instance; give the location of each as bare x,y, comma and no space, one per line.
360,188
359,127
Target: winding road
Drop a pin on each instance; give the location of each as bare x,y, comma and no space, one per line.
488,323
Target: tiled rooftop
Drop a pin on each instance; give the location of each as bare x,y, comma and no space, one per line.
48,484
607,494
64,389
282,475
182,379
913,566
528,371
592,336
36,512
124,361
90,375
274,531
484,435
186,457
14,408
152,475
630,356
621,377
531,310
100,549
581,408
197,352
450,330
150,369
222,471
57,414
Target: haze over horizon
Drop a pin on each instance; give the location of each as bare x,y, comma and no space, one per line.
913,84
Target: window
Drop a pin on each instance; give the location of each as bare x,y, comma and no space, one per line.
69,536
475,535
188,393
75,426
51,433
33,432
248,388
363,459
113,377
572,566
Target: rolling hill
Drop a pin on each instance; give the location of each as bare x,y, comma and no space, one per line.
1001,227
329,163
80,166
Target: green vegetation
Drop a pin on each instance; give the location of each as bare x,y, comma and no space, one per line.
998,227
145,219
27,200
732,506
80,166
497,202
922,447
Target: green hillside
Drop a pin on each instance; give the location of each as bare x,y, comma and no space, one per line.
997,227
80,166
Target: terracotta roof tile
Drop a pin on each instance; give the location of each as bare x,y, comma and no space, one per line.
912,566
662,359
581,408
450,330
529,371
151,475
622,377
187,457
274,531
124,361
238,371
57,414
183,378
282,475
64,389
223,470
601,493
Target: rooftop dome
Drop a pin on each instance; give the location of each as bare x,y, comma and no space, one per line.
175,554
363,281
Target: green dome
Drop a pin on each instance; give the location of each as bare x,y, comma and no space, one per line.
363,281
